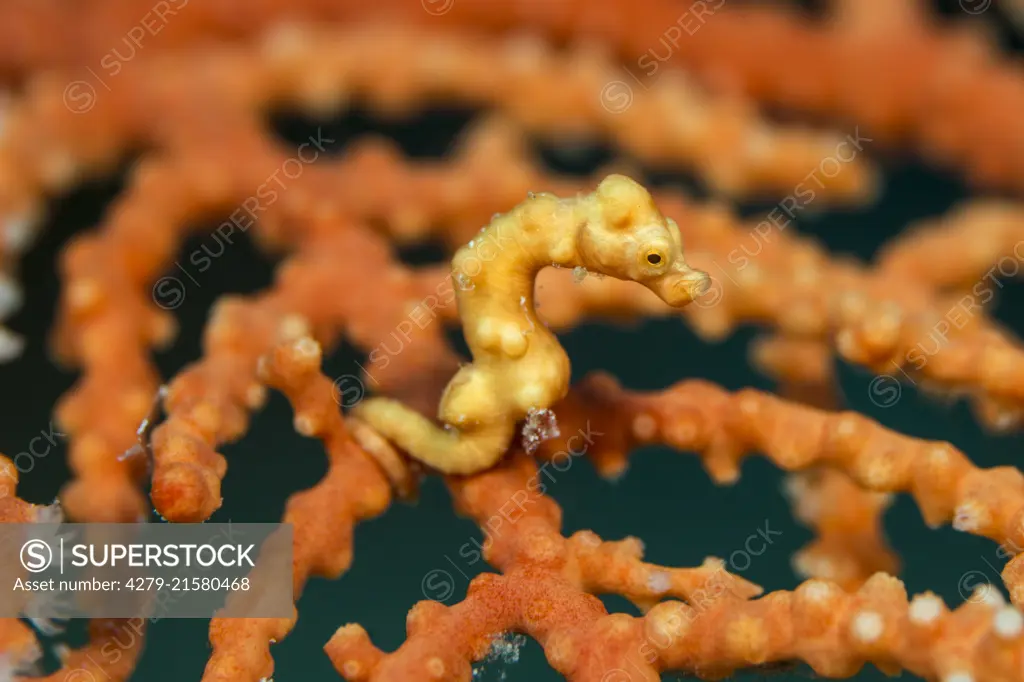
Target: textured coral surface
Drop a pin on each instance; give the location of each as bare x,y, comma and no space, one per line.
217,216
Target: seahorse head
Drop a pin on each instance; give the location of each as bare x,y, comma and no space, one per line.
625,236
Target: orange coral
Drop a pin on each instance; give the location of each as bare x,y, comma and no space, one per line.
905,74
545,591
19,649
192,99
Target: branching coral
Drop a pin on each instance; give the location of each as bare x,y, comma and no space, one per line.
19,649
908,76
544,591
48,144
192,103
322,517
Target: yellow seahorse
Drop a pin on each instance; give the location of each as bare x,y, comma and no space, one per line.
519,368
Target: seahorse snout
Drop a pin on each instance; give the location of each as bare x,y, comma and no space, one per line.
681,287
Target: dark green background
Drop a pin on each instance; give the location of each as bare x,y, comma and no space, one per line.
666,499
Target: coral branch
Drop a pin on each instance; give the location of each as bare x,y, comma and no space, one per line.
836,633
722,138
546,592
12,508
811,295
190,107
46,144
977,242
207,404
18,646
19,649
851,545
115,642
833,631
911,78
723,428
322,517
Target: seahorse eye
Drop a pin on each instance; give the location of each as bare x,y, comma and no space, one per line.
653,257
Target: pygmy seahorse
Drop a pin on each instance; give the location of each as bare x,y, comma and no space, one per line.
518,365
